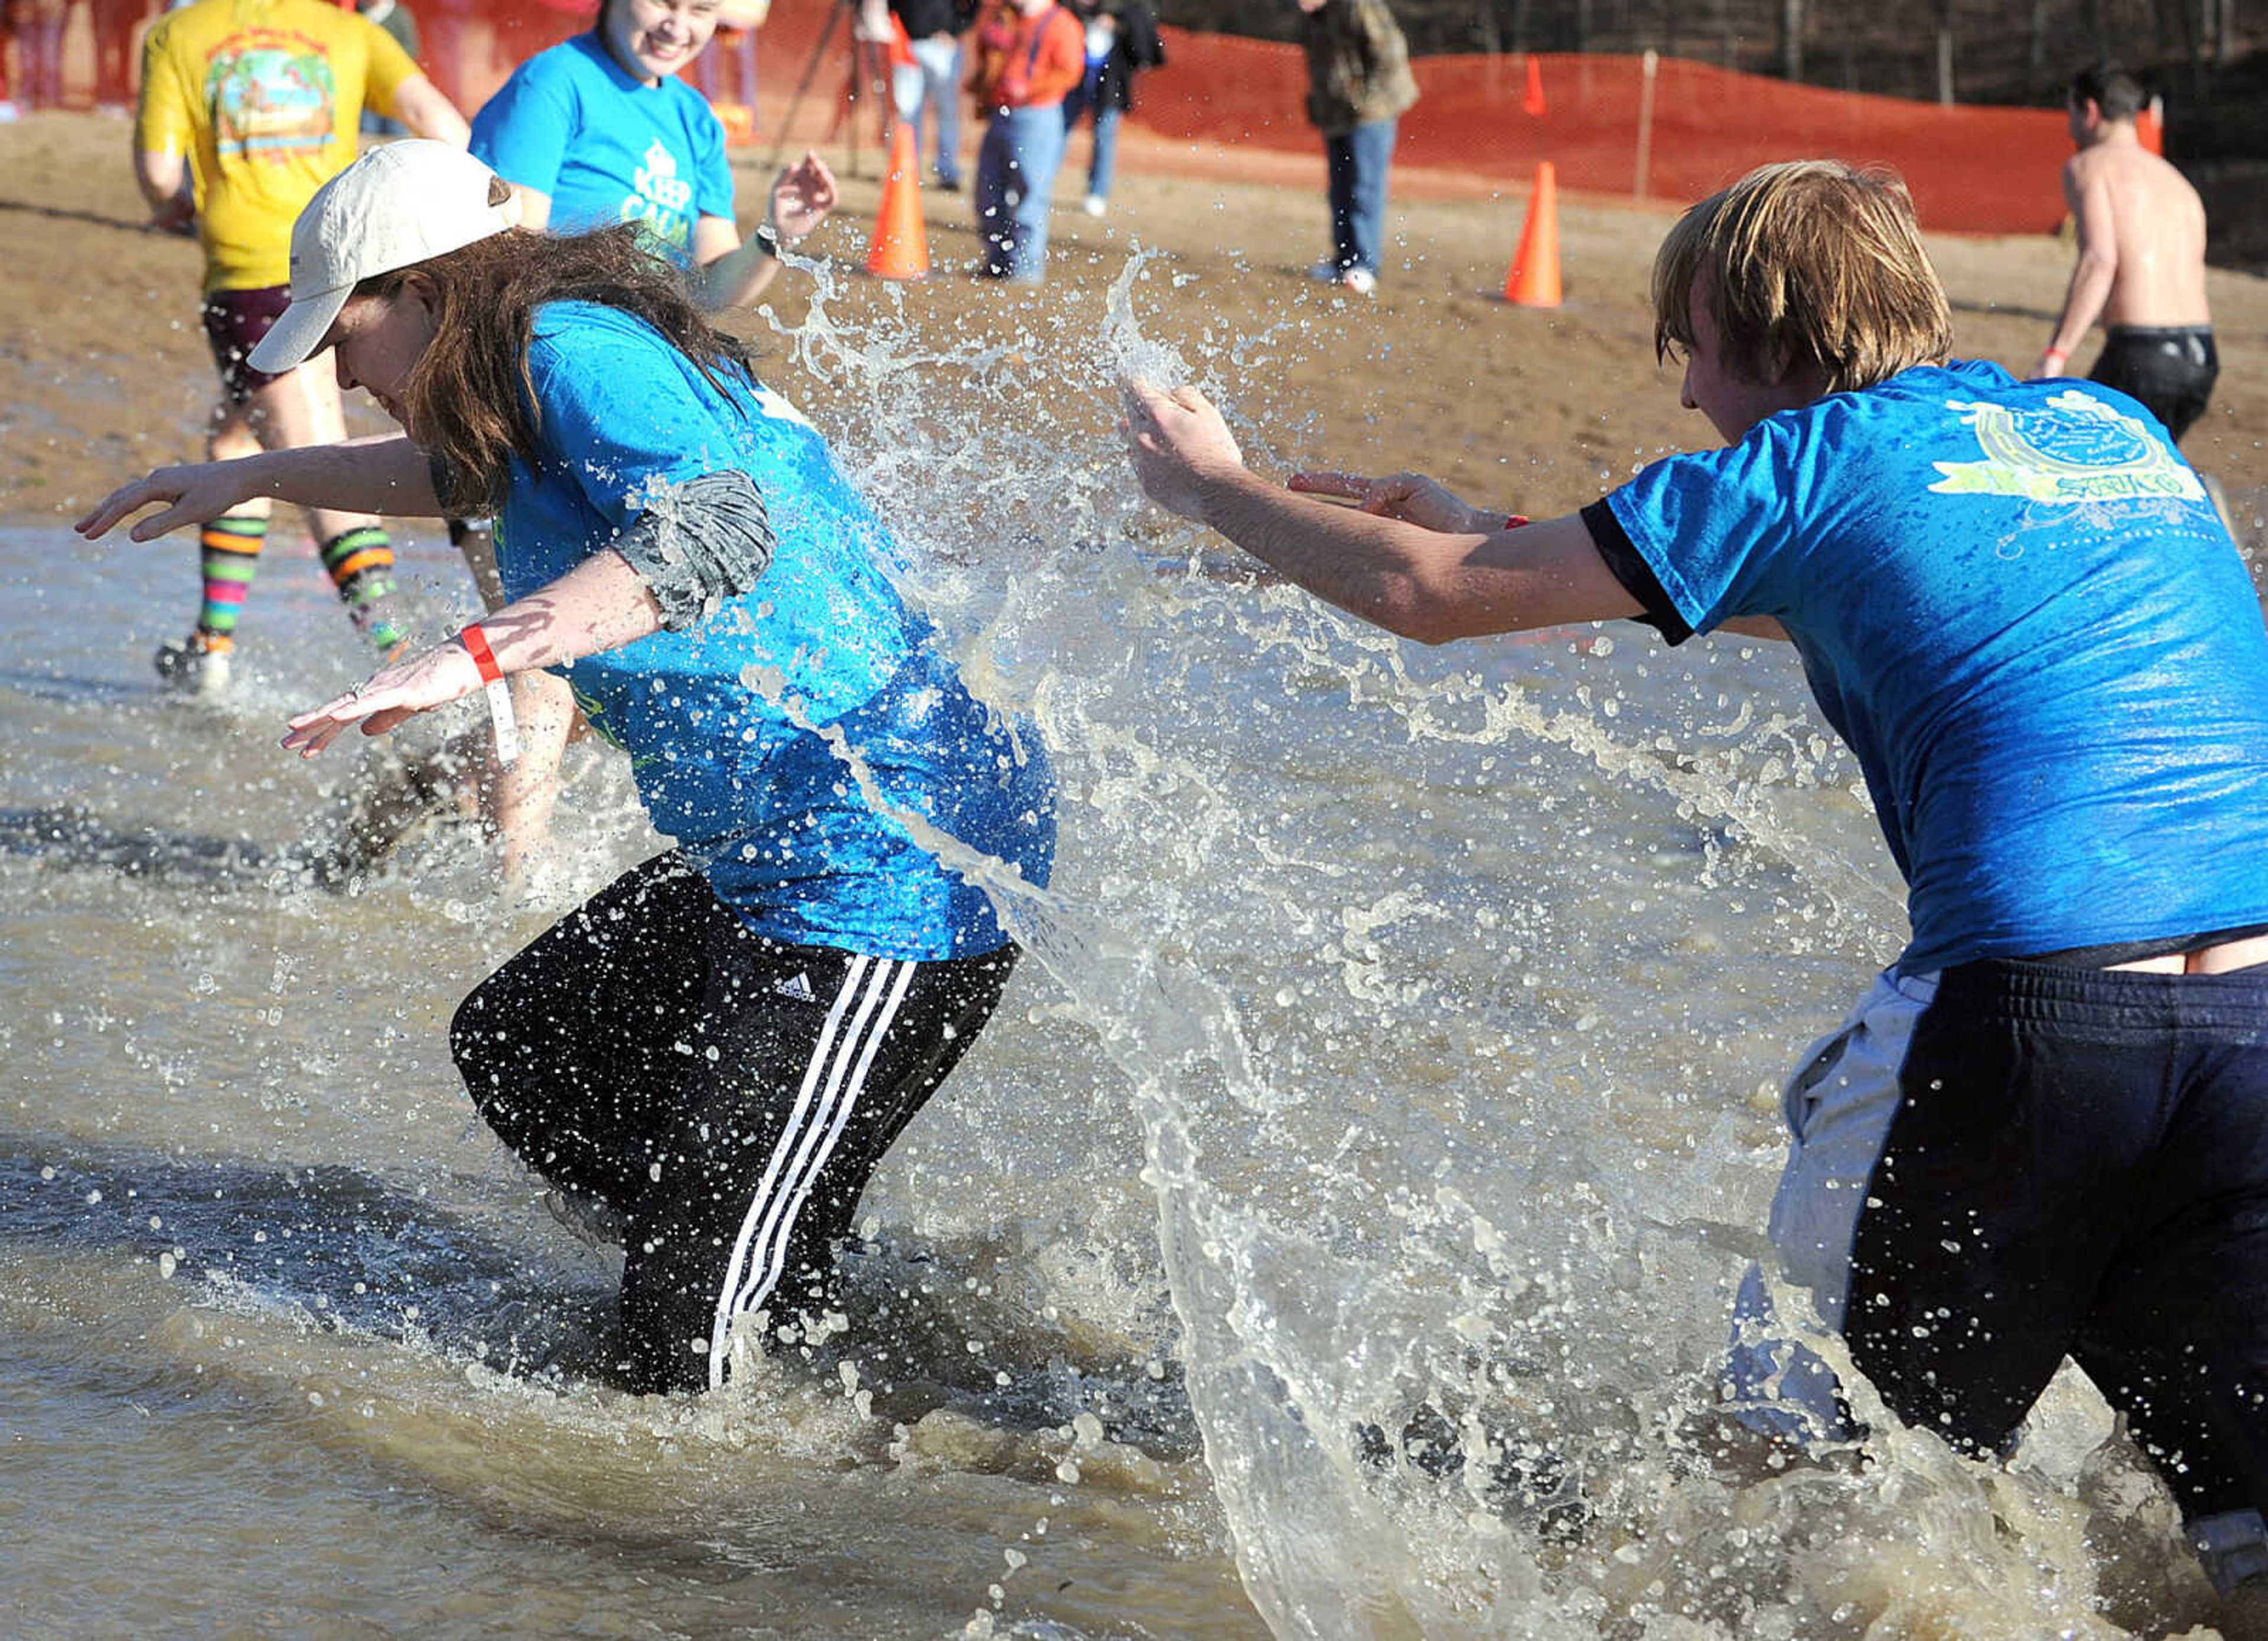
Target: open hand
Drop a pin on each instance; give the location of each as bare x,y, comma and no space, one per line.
197,494
1407,495
1178,441
388,697
802,197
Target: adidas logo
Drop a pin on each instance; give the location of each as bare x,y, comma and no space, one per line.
800,989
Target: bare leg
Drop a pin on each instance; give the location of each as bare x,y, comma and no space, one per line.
301,407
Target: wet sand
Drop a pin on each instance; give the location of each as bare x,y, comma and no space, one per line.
104,370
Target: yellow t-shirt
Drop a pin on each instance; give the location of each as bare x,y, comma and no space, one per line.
265,97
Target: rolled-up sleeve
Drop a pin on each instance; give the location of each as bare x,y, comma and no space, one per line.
698,543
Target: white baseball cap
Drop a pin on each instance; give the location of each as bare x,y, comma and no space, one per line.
395,207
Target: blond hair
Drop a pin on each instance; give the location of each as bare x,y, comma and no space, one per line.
1808,262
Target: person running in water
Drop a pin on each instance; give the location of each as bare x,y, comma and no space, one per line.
247,107
719,1048
2041,1133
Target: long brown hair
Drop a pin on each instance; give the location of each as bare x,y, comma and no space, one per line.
471,398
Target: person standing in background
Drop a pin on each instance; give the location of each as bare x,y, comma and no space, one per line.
1029,56
247,107
115,22
1121,41
1358,87
2141,259
39,50
932,79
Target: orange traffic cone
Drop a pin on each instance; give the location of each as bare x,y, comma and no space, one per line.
1531,101
1534,280
901,247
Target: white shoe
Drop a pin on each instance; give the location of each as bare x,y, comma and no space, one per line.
1361,281
192,669
8,110
1324,273
1096,205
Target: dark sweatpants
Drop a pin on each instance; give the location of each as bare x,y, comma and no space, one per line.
2079,1166
727,1093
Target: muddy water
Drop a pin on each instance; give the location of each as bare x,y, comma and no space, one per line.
1332,1233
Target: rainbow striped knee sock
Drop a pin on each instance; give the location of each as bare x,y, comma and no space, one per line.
228,552
360,563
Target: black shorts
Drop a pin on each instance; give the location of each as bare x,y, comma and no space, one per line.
2015,1161
727,1094
2170,368
235,320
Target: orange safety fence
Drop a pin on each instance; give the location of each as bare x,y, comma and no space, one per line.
1992,170
1977,169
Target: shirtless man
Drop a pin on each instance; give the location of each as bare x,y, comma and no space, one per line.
2141,259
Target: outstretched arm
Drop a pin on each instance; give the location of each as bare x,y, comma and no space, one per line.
1430,584
602,604
386,475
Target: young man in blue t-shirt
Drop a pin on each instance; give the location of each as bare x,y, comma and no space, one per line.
2044,1130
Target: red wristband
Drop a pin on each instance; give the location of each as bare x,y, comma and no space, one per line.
1515,521
476,645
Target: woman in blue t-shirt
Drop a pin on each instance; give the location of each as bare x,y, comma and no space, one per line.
599,129
718,1049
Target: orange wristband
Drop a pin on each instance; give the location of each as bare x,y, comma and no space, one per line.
476,645
498,692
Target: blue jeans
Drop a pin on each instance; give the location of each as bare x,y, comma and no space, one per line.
1016,167
933,77
1358,161
1104,162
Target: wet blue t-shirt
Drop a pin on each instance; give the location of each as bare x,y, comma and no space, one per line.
2017,605
605,147
750,734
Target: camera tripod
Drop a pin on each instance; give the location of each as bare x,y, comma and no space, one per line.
868,80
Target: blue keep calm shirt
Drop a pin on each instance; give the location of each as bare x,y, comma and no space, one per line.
2017,606
605,147
748,735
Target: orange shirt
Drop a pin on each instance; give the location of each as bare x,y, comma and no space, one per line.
1026,61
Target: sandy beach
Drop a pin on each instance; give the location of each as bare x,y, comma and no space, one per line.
105,370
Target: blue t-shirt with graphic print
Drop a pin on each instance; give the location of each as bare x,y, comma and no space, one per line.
574,124
807,742
2017,606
